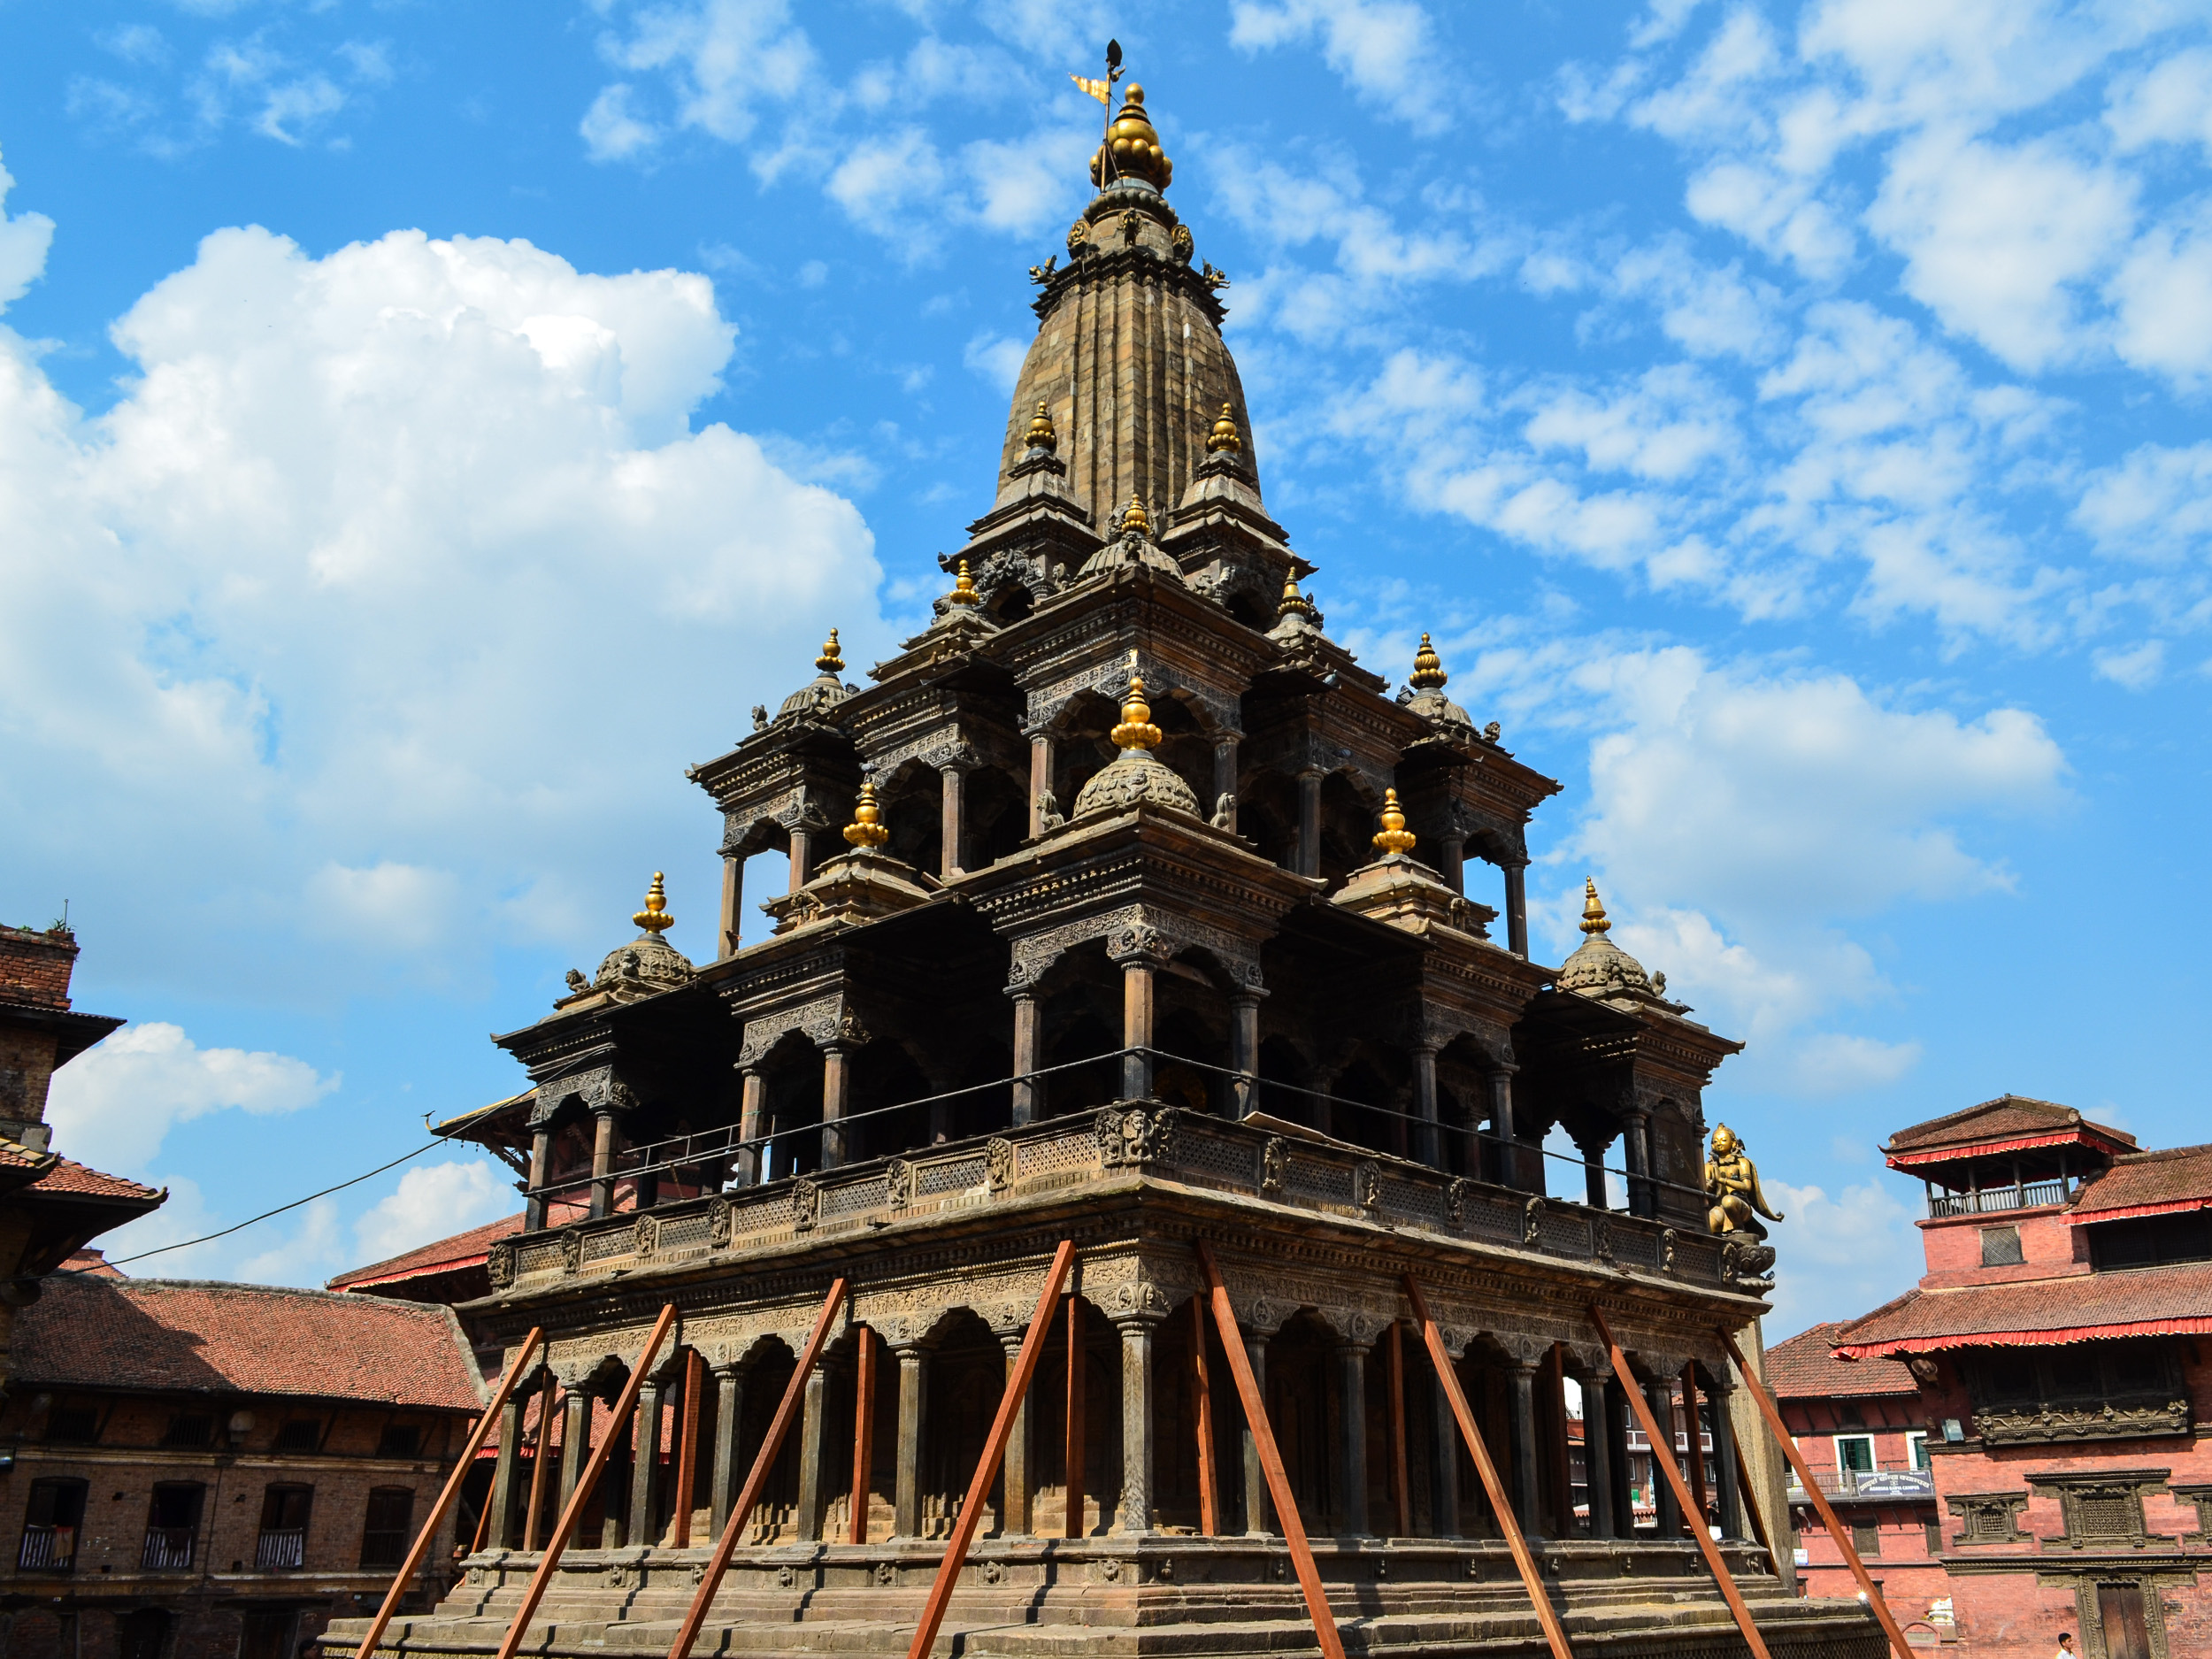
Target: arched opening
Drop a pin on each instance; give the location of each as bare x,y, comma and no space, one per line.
967,1378
1176,1394
913,804
1302,1407
1348,827
1362,1110
791,1089
1011,602
1285,1072
883,1074
1246,607
1080,747
1186,746
1267,815
767,1375
1100,1440
996,810
877,1496
1462,1104
987,1100
1080,1017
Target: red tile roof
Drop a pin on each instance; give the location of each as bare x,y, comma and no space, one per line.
171,1335
75,1179
2081,1307
462,1250
93,1262
1806,1368
2008,1121
2147,1184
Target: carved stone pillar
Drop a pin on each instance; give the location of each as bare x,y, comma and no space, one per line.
1039,780
750,1172
1443,1463
1225,777
801,837
1616,1418
813,1425
1502,1137
1426,1148
1452,863
1136,1426
1310,823
501,1533
1351,1371
733,903
1521,1392
1516,909
1593,1175
950,862
729,1404
1718,1385
645,1464
906,1490
1257,1522
1028,1091
1137,951
540,1151
1597,1456
1642,1196
1660,1396
836,1076
1244,1046
575,1440
603,1160
1014,1471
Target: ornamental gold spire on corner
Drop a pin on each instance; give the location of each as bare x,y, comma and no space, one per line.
1593,911
867,831
654,918
1428,668
1136,730
830,662
1293,599
963,591
1225,436
1132,518
1394,837
1041,435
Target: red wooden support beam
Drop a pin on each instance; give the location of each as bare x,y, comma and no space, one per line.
548,1399
1836,1530
1501,1502
424,1539
1662,1459
1208,1511
1402,1487
543,1578
864,1437
1271,1461
994,1450
756,1482
1073,1527
687,1449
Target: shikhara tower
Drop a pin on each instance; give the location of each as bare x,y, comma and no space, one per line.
1124,907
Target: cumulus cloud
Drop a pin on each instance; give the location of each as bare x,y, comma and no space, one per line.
1843,1255
118,1101
1385,49
434,1201
24,240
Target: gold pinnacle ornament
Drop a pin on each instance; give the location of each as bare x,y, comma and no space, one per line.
963,591
1428,668
654,918
1136,730
1224,434
1132,518
1041,436
1394,837
867,831
1293,600
829,662
1592,912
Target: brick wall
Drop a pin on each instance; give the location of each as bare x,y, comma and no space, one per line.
34,967
26,1072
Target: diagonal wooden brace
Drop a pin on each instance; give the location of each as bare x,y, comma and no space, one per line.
1271,1460
1500,1503
1836,1529
1663,1458
786,1409
429,1532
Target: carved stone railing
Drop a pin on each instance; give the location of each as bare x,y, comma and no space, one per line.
1316,1177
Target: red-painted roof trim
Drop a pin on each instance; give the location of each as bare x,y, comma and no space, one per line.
1959,1150
2171,1207
2191,1326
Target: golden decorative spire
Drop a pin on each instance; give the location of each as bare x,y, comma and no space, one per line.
1224,434
830,662
1136,730
867,831
654,918
1133,145
1428,668
1041,436
963,591
1394,837
1293,600
1132,518
1592,912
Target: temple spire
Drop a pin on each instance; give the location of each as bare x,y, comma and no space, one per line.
1594,919
654,918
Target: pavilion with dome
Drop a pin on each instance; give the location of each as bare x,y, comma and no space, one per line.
1124,907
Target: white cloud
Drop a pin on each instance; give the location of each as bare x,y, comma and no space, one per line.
1838,1257
2170,102
2154,505
2162,295
1385,49
997,358
117,1102
2135,668
433,1202
726,61
611,132
24,240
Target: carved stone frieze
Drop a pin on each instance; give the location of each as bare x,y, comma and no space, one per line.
824,1021
1135,1137
998,1163
1274,1164
898,1182
1047,703
1135,930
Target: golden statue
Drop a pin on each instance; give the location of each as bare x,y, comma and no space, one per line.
1731,1181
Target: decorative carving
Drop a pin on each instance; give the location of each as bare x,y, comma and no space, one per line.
1601,1239
806,1205
719,1223
998,1163
1666,1250
1225,815
618,1575
1731,1181
1456,1196
1042,274
1078,238
1274,1165
850,1032
821,1022
994,1573
1179,245
1134,1138
898,1184
886,1573
2103,1509
645,1236
1049,817
1745,1261
1166,934
786,1578
1991,1517
2086,1420
1139,1298
1214,278
1367,1186
499,1265
1533,1220
1137,939
572,1253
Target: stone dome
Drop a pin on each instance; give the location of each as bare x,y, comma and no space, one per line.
1132,776
1599,968
824,691
647,963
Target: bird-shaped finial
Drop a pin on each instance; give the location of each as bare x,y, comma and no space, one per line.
830,662
1428,668
1394,837
1593,911
654,918
867,831
1225,435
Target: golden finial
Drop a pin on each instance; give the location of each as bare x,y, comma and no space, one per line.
1041,436
867,831
1133,146
963,591
1394,837
1136,730
1132,518
1293,600
1593,920
829,662
1224,434
654,918
1428,668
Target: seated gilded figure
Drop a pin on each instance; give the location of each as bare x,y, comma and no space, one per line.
1731,1181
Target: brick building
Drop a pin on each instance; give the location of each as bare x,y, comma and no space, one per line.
214,1472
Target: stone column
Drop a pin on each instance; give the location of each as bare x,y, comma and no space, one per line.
1028,1095
732,902
729,1404
1717,1387
501,1533
1225,776
952,849
1256,1519
1137,956
1617,1417
1244,1046
1508,1147
1660,1396
1310,823
1427,1147
1642,1196
603,1161
749,1170
1039,780
1521,1391
801,836
540,1150
836,1071
1454,864
1516,909
1014,1471
812,1426
575,1440
1351,1371
906,1499
1597,1454
1136,1426
645,1464
1593,1175
1443,1462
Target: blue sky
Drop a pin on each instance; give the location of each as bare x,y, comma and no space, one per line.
423,431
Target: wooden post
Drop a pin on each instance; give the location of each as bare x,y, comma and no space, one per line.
1836,1529
863,1438
994,1448
1663,1459
687,1449
1208,1513
1700,1498
548,1399
1394,1352
424,1539
1073,1528
543,1578
718,1563
1272,1461
1500,1505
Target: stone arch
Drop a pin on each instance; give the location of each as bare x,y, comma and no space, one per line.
791,1107
911,796
1100,1360
769,1363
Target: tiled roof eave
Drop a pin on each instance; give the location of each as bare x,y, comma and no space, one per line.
2056,1336
2124,1212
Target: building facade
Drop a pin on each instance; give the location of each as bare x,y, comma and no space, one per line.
214,1472
1126,907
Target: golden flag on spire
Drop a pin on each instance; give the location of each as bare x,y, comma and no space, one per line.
1103,90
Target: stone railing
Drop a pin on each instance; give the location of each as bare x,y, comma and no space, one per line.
1319,1178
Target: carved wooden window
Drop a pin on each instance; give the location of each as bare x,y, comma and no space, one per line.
2001,1247
2103,1509
1989,1518
1866,1537
2086,1391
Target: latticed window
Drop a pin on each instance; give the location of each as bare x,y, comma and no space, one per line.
2001,1247
1867,1539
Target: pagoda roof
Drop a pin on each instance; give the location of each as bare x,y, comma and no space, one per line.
1805,1367
2036,1313
2011,1122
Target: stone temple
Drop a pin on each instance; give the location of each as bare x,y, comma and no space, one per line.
1126,907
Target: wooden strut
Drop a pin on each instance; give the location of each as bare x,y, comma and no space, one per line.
548,1399
1073,1527
1500,1503
864,1437
1663,1458
687,1451
452,1491
543,1578
1271,1460
993,1451
1209,1509
756,1481
1867,1587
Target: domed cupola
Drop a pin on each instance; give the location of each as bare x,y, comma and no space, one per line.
649,963
1136,775
824,691
1425,693
1600,968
